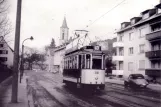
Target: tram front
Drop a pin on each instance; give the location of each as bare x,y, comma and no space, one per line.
94,73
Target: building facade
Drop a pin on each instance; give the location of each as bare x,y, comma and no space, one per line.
6,53
55,55
138,46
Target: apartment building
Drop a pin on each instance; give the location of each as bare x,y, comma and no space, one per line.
138,46
6,53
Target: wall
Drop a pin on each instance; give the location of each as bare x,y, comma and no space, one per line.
9,56
136,56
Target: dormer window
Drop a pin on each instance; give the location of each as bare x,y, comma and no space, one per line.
159,10
124,24
158,7
145,16
133,21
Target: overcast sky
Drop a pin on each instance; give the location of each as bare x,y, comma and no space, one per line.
42,18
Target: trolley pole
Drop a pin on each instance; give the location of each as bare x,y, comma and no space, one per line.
16,54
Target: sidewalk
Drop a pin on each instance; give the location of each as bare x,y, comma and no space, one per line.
155,87
6,92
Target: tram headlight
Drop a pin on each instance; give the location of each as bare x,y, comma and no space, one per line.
97,48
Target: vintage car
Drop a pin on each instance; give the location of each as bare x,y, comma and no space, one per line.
135,80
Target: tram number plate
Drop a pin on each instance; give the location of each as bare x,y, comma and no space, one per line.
96,72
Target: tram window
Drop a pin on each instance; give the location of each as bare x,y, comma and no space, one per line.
64,64
88,58
97,63
75,64
79,62
83,61
73,61
70,61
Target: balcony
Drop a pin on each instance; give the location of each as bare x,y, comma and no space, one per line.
117,58
117,72
154,35
118,44
153,72
153,54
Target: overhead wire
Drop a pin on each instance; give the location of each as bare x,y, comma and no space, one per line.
105,13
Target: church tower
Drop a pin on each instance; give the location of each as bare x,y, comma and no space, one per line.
63,32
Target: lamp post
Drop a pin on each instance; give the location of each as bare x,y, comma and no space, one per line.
22,62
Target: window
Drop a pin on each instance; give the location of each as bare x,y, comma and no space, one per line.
156,27
141,48
143,32
131,50
131,35
63,36
1,45
88,58
121,51
3,59
156,64
120,39
142,64
83,61
123,26
130,66
159,10
3,52
120,65
97,62
156,46
145,16
133,21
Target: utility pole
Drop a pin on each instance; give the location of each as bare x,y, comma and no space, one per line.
16,54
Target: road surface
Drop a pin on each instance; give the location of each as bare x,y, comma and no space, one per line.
49,91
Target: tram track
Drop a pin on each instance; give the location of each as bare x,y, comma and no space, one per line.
140,97
107,99
112,99
134,94
121,101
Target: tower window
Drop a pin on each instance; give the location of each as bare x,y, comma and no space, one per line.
63,35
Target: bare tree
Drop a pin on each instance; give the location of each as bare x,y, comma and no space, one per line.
34,57
5,25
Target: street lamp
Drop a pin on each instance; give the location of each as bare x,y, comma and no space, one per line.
22,66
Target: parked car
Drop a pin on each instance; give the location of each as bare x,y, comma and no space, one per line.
136,80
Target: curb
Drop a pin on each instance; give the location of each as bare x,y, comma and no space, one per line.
29,95
6,81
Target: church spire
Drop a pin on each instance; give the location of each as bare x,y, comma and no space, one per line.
64,25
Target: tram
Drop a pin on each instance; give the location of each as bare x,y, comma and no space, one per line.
85,67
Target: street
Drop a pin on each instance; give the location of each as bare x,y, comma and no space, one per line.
49,91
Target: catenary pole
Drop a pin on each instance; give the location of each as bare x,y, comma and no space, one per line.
14,95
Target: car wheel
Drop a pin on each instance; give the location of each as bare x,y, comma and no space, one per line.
126,84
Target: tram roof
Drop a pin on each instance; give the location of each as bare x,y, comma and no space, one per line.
77,44
86,49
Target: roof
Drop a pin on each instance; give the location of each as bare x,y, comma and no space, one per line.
135,18
152,13
158,6
64,25
140,22
146,11
6,43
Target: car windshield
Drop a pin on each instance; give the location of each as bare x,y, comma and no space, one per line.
137,77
